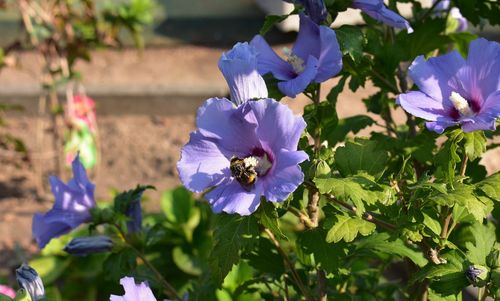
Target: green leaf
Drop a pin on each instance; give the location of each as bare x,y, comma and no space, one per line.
270,21
335,91
352,124
123,200
176,205
266,258
484,239
232,234
381,242
50,268
119,264
351,41
447,158
453,266
268,217
491,186
433,224
187,263
361,155
346,189
346,228
475,144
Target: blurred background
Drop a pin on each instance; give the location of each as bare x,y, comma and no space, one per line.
145,101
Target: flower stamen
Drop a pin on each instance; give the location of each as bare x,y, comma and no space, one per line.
296,62
461,104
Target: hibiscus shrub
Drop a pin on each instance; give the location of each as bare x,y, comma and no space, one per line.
281,206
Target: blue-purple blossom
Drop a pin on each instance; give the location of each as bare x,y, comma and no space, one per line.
239,67
442,8
315,9
314,58
82,246
243,153
134,213
454,91
134,292
30,281
378,11
71,207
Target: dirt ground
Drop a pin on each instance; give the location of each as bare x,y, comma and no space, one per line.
140,144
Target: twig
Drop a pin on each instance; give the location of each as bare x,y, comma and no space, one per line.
304,218
322,285
287,261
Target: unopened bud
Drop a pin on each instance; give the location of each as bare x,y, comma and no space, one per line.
82,246
322,169
28,279
493,259
477,275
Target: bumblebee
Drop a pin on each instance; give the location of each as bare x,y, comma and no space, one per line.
243,172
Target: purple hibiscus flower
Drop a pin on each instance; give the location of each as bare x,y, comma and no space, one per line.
315,57
454,91
243,153
239,67
134,292
378,11
315,9
71,206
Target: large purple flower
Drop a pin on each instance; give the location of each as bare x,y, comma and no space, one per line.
71,206
315,9
456,91
315,57
239,67
134,292
244,153
378,11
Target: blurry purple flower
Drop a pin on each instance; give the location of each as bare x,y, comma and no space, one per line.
315,9
7,291
134,292
378,11
239,67
456,91
315,57
71,206
442,8
134,213
245,153
82,246
29,280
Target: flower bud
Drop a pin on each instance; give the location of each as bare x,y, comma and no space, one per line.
493,259
82,246
28,279
322,169
477,275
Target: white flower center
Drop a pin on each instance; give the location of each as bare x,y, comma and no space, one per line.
260,164
296,62
461,104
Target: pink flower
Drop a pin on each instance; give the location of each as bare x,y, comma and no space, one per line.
7,291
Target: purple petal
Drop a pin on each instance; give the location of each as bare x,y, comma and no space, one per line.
277,127
285,175
134,292
436,76
378,11
479,125
308,40
439,126
421,105
298,84
330,58
269,61
231,198
202,163
239,67
486,118
315,9
43,232
481,76
219,119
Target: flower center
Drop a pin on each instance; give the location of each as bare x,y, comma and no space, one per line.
247,170
461,104
296,62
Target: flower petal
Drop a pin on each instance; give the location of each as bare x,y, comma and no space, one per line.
421,105
330,58
285,176
231,198
439,126
316,9
239,67
486,118
436,76
298,84
378,11
202,163
308,41
277,126
134,292
269,61
43,232
219,119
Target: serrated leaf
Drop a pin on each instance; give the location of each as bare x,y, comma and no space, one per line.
232,234
266,258
475,144
361,155
382,242
463,195
491,186
484,240
454,264
268,217
347,228
117,265
327,255
351,41
352,124
270,21
432,224
447,158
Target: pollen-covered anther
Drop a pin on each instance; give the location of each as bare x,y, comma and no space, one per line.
461,104
260,164
296,62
